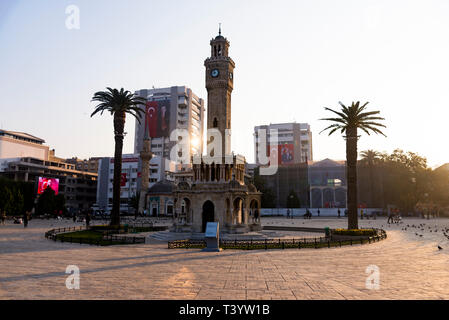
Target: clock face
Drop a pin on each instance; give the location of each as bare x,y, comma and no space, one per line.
214,73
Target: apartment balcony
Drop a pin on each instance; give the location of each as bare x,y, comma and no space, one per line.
182,101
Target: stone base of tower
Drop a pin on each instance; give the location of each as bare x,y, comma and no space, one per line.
217,194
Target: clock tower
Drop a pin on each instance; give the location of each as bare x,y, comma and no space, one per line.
219,85
218,191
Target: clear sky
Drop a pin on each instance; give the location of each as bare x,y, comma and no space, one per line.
293,58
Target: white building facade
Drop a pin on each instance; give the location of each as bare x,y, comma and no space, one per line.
293,142
160,169
19,144
169,109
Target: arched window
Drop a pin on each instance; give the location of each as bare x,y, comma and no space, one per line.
219,50
169,208
215,124
215,51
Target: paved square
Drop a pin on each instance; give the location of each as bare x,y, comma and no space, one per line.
411,267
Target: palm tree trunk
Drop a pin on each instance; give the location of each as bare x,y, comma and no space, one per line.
371,186
119,125
351,176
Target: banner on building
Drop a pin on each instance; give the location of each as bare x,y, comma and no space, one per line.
281,154
286,153
157,119
123,180
45,183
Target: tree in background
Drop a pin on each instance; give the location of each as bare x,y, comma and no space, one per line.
371,159
439,190
16,197
134,201
6,199
293,200
60,203
18,202
46,203
406,179
29,194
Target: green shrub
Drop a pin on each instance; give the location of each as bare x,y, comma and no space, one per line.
355,232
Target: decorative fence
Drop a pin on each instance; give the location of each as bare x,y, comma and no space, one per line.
281,243
109,237
324,212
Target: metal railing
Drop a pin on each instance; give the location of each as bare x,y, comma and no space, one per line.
280,243
108,238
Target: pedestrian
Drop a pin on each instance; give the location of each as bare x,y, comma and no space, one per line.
87,219
3,217
318,212
25,219
308,214
288,213
339,213
361,214
390,218
74,216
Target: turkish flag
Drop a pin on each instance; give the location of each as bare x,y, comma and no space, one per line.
151,118
123,180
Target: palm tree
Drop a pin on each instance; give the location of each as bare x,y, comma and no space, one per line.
349,120
370,158
118,103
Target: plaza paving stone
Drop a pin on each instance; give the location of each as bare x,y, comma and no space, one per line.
411,267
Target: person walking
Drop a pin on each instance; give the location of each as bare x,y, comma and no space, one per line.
318,212
288,213
25,219
390,217
3,217
87,219
339,213
74,217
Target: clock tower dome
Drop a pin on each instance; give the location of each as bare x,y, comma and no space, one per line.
219,85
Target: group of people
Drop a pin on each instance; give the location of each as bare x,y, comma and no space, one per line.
17,220
256,216
87,216
308,214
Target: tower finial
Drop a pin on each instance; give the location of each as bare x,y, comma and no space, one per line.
219,29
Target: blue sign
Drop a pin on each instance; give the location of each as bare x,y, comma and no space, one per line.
211,230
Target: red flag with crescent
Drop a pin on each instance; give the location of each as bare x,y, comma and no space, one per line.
151,118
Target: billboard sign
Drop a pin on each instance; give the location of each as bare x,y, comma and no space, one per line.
45,183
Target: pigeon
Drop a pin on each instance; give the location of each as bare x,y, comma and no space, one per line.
420,235
439,248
